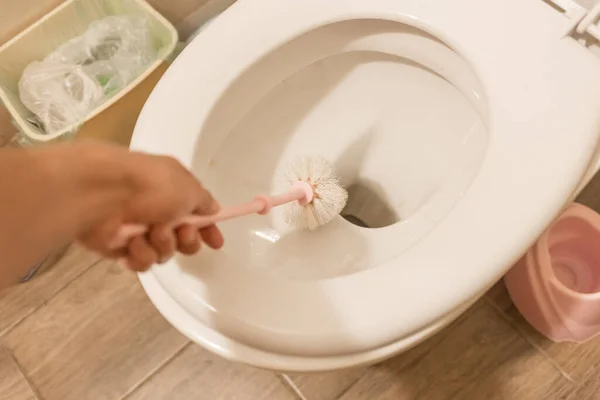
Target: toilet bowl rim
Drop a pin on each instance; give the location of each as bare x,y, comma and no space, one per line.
235,351
571,169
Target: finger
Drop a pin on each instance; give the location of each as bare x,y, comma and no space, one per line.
205,203
212,237
188,240
141,255
162,240
99,238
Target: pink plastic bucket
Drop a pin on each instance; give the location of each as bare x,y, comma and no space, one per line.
556,285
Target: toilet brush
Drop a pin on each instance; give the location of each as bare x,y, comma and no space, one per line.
315,197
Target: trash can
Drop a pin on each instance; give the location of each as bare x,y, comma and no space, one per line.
68,21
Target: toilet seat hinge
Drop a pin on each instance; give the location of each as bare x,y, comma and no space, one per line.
589,23
581,21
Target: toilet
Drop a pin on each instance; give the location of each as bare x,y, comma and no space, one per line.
461,129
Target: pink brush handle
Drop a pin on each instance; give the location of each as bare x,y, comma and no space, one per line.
301,192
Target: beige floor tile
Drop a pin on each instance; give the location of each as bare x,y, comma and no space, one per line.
21,300
480,356
327,386
590,195
577,361
97,339
590,390
13,385
198,374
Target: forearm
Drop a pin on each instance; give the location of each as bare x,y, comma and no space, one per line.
49,196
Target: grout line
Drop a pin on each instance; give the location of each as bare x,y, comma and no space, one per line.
29,381
18,321
347,390
291,385
155,370
531,342
45,302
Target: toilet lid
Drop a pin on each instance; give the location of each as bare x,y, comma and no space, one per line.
541,141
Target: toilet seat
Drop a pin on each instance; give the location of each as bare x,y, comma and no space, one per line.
441,272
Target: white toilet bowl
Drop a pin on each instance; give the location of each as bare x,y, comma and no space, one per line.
460,128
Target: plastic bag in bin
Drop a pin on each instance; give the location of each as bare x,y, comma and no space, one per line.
64,87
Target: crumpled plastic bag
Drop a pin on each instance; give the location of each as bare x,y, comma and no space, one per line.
58,94
81,74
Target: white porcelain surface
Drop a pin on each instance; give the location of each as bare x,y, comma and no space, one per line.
475,165
236,351
360,99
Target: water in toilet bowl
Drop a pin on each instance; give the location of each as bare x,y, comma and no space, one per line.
406,141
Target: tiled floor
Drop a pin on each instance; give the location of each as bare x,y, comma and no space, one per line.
85,330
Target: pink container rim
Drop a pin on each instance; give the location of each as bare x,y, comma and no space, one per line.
542,249
556,284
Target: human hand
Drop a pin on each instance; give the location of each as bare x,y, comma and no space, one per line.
154,191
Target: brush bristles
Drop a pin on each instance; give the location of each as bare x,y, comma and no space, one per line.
330,197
